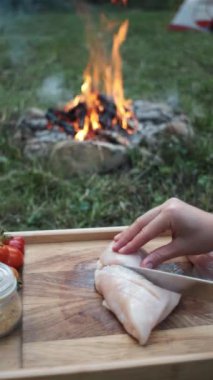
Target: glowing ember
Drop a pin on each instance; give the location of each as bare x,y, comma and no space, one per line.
90,111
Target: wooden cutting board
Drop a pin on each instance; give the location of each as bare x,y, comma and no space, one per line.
65,324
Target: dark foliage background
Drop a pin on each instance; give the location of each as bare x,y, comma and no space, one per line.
39,5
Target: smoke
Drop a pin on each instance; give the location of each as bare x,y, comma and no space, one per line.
18,50
19,46
53,90
16,44
173,98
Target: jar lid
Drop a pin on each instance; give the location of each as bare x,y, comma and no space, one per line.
7,281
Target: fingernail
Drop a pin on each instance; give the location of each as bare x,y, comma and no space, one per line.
122,250
116,237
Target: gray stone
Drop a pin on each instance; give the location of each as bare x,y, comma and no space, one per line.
154,112
36,124
37,149
34,113
181,127
72,157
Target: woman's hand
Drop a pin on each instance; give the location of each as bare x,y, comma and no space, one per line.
191,231
203,265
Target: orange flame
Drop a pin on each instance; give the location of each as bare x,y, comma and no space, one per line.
103,74
117,85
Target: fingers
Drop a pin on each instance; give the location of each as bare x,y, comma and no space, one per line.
158,225
130,233
159,255
117,237
127,236
205,256
203,265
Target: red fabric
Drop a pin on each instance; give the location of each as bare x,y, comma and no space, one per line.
180,27
204,23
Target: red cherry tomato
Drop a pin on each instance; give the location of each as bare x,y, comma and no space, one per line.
15,257
20,239
16,244
4,254
5,240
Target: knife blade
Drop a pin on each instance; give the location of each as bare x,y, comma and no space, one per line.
170,281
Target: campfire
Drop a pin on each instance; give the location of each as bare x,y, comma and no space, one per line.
95,130
101,107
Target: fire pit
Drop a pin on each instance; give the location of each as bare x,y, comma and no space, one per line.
94,131
108,149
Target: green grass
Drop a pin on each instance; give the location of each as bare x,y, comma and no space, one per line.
157,65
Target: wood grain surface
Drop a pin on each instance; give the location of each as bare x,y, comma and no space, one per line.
67,333
64,320
11,351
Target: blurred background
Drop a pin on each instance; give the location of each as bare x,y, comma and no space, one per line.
43,53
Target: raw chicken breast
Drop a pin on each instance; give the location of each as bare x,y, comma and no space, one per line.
137,303
109,257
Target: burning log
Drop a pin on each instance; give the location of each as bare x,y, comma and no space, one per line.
108,105
59,118
98,118
113,137
78,112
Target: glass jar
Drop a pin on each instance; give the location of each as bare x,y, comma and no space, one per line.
10,302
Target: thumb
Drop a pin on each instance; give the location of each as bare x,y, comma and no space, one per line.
159,255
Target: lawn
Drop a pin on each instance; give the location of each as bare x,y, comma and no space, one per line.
157,65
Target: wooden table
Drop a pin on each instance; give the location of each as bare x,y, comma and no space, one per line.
66,333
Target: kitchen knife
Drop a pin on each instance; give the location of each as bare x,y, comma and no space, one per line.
170,281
